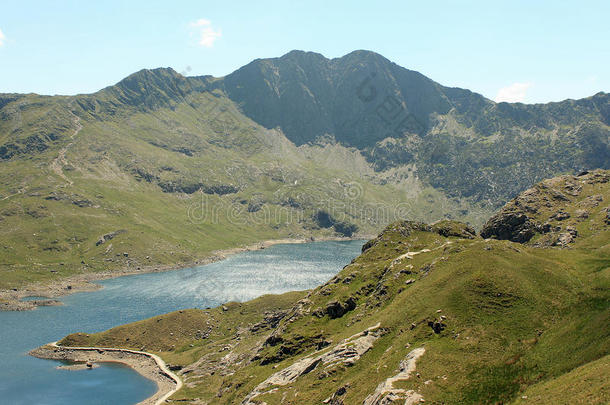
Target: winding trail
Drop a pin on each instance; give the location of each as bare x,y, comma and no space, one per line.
147,364
385,392
60,161
20,191
410,255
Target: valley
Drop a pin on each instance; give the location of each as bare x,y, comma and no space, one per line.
426,312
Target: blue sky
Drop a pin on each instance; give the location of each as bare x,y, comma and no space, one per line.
530,51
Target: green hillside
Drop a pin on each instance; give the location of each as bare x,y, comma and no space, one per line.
172,182
162,169
427,312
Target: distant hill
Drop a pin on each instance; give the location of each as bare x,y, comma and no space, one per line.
177,167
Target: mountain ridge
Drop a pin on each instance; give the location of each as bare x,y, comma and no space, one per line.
309,96
287,54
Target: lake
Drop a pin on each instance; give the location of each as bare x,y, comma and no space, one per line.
247,275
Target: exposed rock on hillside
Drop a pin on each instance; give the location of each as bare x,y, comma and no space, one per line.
324,220
459,141
444,228
385,393
550,208
106,237
336,309
346,353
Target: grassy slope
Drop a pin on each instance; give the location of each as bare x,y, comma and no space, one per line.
123,156
521,320
591,386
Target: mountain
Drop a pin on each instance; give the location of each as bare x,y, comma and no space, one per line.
426,312
163,170
398,117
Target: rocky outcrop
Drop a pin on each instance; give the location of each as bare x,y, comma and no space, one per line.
510,225
547,208
105,238
324,220
270,321
385,393
336,309
403,229
453,228
192,187
347,353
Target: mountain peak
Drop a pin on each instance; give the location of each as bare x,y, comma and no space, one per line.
152,88
309,95
296,53
363,54
149,74
359,54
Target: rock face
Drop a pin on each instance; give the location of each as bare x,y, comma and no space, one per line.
336,309
510,225
389,113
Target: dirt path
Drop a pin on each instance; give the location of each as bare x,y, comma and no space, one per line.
20,191
148,365
57,165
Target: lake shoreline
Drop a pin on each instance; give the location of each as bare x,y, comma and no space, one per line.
146,364
13,300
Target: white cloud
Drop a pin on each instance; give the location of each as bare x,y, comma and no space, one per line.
2,38
207,34
515,93
201,22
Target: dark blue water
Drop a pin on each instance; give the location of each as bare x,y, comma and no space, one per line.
27,380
